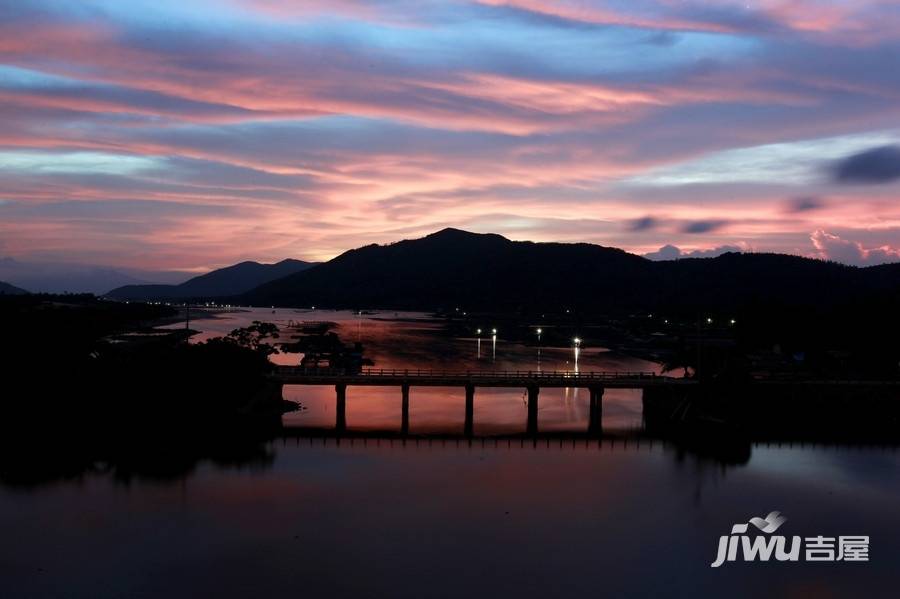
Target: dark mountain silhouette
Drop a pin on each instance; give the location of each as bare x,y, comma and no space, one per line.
7,289
224,282
489,272
447,268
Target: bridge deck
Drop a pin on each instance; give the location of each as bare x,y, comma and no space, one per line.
292,375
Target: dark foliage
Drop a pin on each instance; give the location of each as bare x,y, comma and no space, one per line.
91,365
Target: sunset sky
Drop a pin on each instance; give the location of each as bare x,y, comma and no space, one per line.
191,134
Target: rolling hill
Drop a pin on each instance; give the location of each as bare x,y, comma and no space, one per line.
489,272
224,282
447,268
7,289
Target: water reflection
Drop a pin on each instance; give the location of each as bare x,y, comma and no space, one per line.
441,409
411,340
416,509
51,461
54,461
370,516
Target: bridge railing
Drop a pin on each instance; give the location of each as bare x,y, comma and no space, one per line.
373,373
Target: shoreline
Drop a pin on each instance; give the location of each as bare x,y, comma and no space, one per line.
195,314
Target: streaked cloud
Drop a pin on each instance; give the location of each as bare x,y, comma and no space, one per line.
799,162
186,135
74,162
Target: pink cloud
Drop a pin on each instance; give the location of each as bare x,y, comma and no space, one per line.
520,142
302,9
860,22
833,247
596,13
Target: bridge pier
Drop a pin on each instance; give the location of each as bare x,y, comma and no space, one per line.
533,392
340,424
595,415
404,423
470,410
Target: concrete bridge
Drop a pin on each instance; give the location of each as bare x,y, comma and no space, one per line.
594,381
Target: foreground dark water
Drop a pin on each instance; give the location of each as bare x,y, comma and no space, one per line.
446,519
374,517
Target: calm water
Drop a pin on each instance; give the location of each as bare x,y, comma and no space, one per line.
410,340
443,518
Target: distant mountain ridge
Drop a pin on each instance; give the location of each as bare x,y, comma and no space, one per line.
7,289
69,277
224,282
489,272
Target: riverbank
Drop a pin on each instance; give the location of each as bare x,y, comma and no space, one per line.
186,314
112,378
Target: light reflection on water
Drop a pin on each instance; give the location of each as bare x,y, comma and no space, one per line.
409,340
442,409
447,518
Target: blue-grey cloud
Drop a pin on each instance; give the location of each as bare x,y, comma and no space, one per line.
878,165
803,204
703,226
645,223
